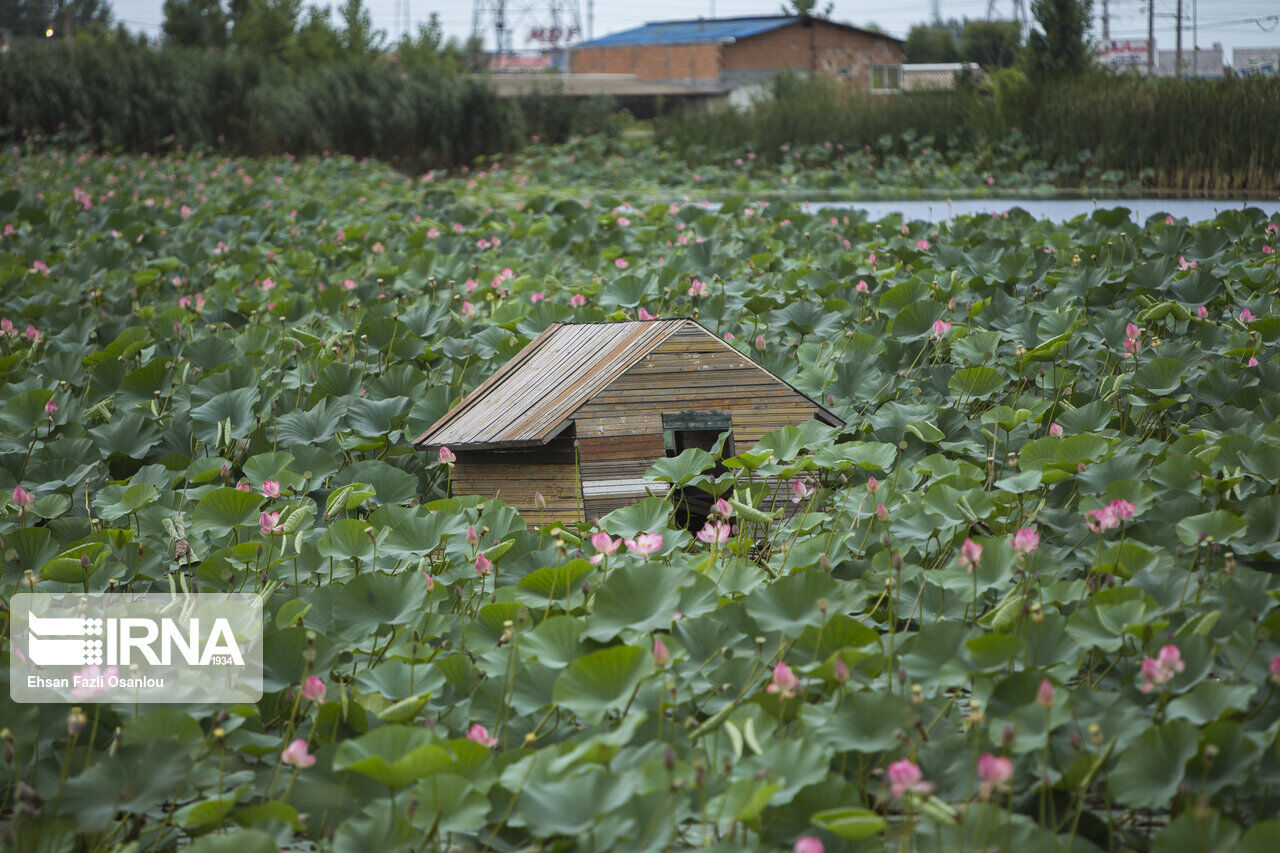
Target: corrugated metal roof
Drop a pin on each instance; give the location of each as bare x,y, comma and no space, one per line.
527,400
693,32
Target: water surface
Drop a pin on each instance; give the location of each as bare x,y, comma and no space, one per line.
1055,210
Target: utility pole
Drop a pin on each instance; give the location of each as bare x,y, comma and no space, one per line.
1195,38
1151,38
1177,62
1106,25
935,7
591,19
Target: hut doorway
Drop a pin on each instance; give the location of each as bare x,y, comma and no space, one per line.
707,430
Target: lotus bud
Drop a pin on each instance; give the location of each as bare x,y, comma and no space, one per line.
75,721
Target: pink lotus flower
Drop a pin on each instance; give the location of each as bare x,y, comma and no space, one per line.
480,735
808,844
1025,540
468,310
483,565
873,485
433,233
644,544
697,288
269,522
268,284
882,513
446,456
661,655
33,334
50,407
861,286
1202,312
940,328
760,342
577,300
243,486
1101,519
348,284
22,498
271,488
970,555
1055,431
39,267
717,533
313,690
1184,264
922,245
783,682
840,671
993,773
1246,316
1123,509
1252,362
799,491
1045,694
1274,669
905,776
87,688
473,538
621,263
296,755
7,328
537,297
431,582
605,545
1160,670
722,508
642,314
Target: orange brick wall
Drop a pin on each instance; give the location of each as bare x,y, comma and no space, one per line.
650,62
823,48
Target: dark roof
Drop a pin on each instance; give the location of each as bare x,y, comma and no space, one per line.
530,399
701,30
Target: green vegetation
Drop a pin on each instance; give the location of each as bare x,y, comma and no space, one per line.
119,96
1150,131
1027,599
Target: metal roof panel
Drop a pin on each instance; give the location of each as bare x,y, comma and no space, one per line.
692,32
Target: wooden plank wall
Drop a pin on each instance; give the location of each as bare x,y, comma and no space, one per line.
620,429
515,475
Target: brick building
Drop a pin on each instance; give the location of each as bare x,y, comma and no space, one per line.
722,54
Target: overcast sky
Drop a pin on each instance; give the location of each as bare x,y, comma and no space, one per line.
1220,20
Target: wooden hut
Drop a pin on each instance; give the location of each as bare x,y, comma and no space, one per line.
581,413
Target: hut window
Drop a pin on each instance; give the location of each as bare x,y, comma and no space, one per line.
709,431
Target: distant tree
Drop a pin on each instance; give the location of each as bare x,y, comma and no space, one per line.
195,23
33,18
316,41
873,27
808,7
931,43
430,51
1061,46
264,26
359,37
991,44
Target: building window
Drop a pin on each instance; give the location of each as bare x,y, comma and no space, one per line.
886,78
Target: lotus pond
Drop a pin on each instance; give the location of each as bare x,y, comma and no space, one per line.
1026,599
